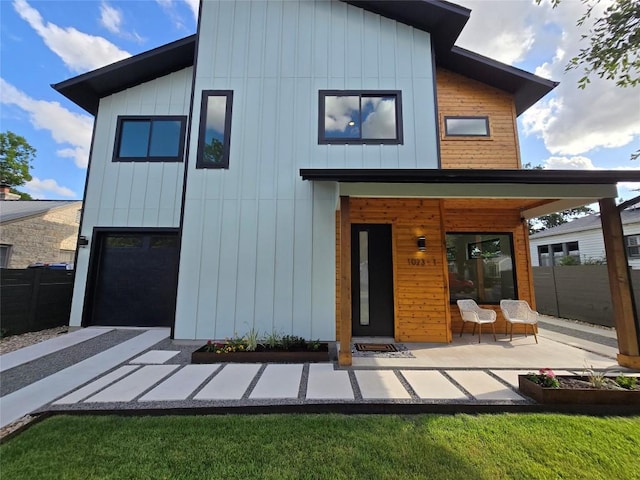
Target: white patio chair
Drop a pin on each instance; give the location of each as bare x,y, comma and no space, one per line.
471,312
519,312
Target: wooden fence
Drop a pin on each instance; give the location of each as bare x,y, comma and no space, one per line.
579,292
34,299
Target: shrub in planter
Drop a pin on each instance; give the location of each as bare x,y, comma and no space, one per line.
595,388
273,348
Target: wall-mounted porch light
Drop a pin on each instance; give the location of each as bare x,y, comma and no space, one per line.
83,241
422,243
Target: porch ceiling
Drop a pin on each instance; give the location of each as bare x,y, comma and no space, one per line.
533,192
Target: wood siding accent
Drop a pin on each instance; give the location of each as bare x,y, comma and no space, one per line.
344,355
420,290
479,216
620,283
461,96
421,293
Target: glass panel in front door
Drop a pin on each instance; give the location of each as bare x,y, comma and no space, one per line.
363,240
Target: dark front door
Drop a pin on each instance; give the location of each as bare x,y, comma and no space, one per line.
134,279
371,280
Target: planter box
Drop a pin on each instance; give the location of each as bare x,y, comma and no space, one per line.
577,396
264,356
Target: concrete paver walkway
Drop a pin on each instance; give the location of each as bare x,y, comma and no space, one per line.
149,371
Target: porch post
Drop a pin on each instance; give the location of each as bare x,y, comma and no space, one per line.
344,355
624,310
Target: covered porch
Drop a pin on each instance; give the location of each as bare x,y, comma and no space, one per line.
468,201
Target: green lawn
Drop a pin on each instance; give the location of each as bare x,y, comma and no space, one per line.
518,446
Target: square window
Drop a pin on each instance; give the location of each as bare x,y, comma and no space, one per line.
360,117
466,126
481,267
150,139
215,129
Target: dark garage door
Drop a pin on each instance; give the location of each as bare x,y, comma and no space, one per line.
135,277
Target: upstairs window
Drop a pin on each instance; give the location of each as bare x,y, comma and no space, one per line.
150,139
466,126
215,129
360,117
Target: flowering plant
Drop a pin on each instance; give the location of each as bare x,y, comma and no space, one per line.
234,344
545,378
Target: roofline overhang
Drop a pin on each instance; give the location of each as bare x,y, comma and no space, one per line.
458,176
443,20
526,87
557,190
87,89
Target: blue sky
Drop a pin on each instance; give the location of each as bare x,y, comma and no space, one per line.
46,42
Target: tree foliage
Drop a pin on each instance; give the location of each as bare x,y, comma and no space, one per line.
213,151
613,43
16,156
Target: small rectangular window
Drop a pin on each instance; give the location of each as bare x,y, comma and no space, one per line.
466,126
150,139
360,117
215,129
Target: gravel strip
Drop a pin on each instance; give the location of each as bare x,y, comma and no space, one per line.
28,373
16,342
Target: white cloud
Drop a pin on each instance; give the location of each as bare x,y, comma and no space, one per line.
216,112
169,7
79,51
499,29
67,128
381,123
568,163
44,188
339,112
194,5
571,121
110,17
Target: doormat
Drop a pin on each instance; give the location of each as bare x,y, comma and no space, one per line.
376,347
373,350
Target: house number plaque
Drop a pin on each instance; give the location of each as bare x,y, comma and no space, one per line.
417,262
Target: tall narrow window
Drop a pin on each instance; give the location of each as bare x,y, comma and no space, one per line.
150,139
215,129
5,250
360,117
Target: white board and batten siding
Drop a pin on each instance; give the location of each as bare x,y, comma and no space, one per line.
590,244
258,241
131,194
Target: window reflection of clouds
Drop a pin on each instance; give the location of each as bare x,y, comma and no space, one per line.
338,113
216,111
380,117
344,113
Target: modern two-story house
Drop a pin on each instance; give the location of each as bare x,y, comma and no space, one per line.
322,168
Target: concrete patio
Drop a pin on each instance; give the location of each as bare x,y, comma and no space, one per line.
115,370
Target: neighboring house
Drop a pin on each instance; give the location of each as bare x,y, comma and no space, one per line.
34,231
317,168
582,239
